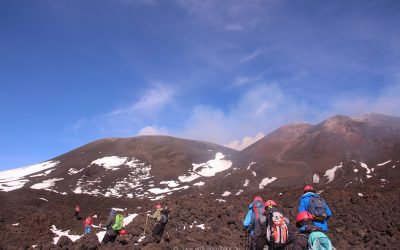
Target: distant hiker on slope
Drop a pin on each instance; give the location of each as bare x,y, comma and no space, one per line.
114,224
160,216
310,236
279,232
317,206
77,211
88,223
255,223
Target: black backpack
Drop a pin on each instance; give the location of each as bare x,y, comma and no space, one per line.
317,207
259,225
164,217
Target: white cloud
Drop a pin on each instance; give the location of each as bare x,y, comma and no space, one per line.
153,130
246,141
153,99
251,56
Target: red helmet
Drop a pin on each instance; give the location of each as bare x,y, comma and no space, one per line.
270,203
303,216
158,206
123,232
257,198
308,188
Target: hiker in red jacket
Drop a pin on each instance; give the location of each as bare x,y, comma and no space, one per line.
88,223
77,211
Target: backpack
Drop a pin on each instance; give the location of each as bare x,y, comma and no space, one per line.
163,217
317,207
277,231
319,241
258,209
259,225
119,222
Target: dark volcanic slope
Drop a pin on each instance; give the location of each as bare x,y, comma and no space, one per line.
294,154
364,218
129,167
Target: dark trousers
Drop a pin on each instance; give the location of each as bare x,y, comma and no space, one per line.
257,243
158,232
108,238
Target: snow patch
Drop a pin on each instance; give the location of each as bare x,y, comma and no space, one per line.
226,193
360,194
46,184
266,181
201,226
251,164
43,199
239,192
212,167
73,171
363,165
13,179
254,173
15,224
110,162
246,183
220,200
60,233
199,184
384,163
355,170
170,183
165,190
330,173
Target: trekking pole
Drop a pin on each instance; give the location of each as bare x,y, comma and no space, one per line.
144,232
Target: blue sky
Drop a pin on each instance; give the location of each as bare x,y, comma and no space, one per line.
222,71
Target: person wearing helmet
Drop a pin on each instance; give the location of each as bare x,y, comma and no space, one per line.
88,223
279,231
110,234
304,222
159,222
310,201
255,223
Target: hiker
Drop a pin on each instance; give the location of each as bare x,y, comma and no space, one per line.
88,223
77,211
160,217
310,237
279,232
255,223
317,206
114,224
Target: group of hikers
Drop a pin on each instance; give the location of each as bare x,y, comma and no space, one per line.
115,225
267,228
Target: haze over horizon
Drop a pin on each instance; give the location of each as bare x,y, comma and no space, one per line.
225,72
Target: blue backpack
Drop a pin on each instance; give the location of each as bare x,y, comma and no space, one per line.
319,241
258,220
317,207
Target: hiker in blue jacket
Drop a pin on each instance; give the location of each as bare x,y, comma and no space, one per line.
304,205
251,223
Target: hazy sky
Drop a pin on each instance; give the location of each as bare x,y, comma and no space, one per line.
75,71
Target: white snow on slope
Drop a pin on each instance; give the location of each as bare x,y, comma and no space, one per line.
226,193
254,173
330,173
251,164
207,169
384,163
239,192
14,179
45,173
368,170
201,226
355,170
165,190
46,184
266,181
199,184
43,199
60,233
110,162
72,171
246,183
170,183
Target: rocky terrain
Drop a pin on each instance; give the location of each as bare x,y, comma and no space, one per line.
364,218
355,162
